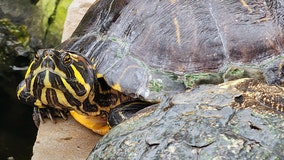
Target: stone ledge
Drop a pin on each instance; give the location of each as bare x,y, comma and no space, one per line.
63,140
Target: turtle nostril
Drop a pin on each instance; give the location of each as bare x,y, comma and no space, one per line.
48,53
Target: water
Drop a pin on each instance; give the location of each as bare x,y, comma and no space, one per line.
17,131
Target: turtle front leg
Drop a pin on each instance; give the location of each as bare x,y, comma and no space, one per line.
24,95
126,110
97,124
40,111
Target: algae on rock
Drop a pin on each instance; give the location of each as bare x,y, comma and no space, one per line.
50,18
14,42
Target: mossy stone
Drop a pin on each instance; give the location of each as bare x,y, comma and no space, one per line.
52,14
14,41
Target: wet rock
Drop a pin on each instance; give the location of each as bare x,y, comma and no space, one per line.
49,19
44,19
14,45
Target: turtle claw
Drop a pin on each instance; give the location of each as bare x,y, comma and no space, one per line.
41,113
63,115
50,116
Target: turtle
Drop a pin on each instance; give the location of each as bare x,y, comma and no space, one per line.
127,55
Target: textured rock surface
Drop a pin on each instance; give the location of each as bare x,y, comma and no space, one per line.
210,122
50,16
63,140
44,19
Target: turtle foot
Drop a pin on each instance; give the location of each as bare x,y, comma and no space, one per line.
97,124
125,111
41,113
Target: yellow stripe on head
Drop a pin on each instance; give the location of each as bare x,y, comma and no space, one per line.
38,104
29,70
43,96
82,81
78,75
46,81
59,72
62,99
21,90
32,86
72,91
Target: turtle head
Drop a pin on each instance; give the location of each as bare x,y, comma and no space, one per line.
59,79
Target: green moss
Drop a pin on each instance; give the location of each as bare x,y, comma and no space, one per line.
57,20
172,76
238,72
14,41
234,73
53,15
46,8
20,32
191,80
156,85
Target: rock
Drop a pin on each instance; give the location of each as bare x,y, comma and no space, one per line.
50,18
44,19
14,46
75,13
15,55
240,119
17,10
63,140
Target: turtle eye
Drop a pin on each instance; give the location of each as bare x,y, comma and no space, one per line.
36,57
67,59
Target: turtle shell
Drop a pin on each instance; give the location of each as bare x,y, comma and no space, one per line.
138,44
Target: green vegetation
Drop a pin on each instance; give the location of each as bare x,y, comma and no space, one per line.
19,34
52,14
14,41
191,80
156,85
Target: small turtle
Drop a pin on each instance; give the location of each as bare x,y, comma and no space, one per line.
126,55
